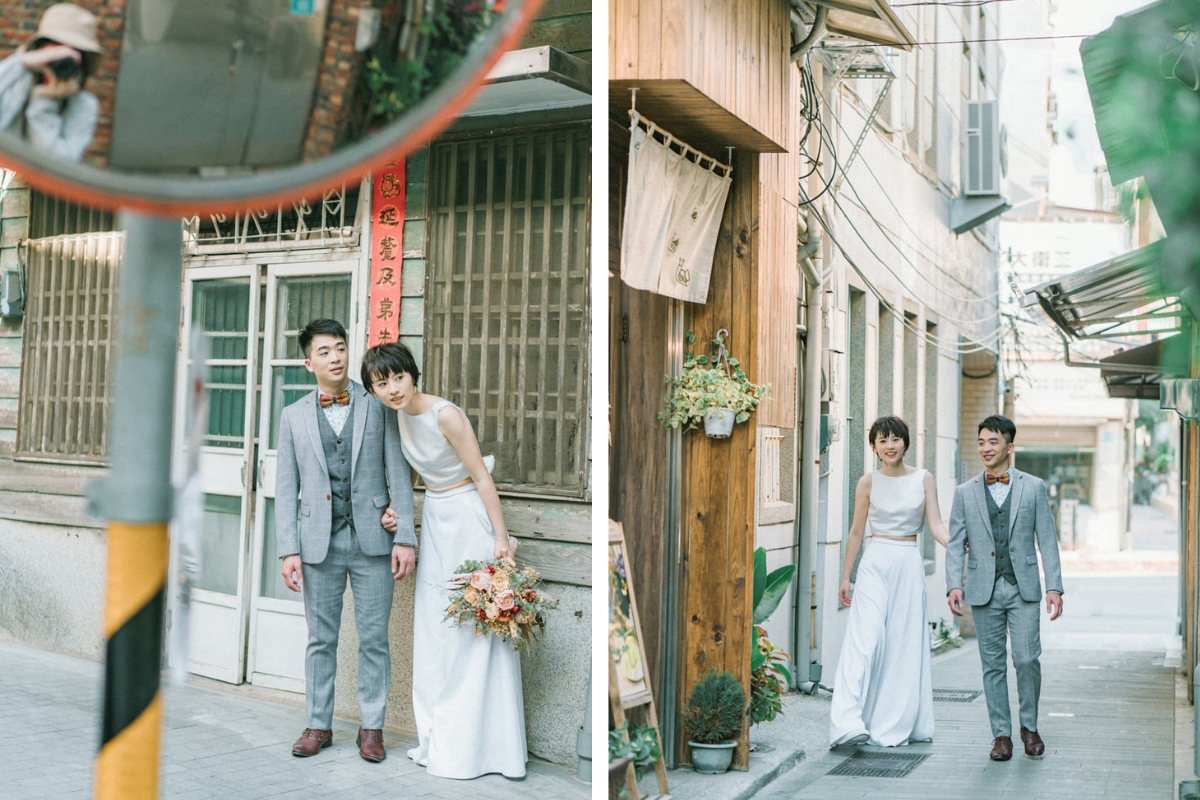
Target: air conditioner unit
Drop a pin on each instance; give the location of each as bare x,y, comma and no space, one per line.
981,155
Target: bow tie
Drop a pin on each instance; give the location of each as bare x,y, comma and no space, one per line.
341,399
990,477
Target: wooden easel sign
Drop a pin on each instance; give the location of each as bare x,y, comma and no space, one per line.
628,684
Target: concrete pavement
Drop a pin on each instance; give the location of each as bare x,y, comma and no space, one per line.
216,744
1110,716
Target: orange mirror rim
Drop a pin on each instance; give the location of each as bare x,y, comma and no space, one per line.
179,195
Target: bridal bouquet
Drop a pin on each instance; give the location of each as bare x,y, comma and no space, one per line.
500,599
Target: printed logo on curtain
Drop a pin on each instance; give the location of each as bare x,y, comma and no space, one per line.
387,225
673,208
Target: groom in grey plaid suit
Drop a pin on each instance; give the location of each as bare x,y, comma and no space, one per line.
336,475
1002,513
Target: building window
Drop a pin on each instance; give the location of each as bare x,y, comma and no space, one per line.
507,301
66,347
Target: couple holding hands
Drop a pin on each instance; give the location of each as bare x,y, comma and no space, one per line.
344,508
999,523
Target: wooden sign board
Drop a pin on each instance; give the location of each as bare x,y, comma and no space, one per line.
628,684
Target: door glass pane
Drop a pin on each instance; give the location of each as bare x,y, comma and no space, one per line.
272,579
288,384
219,543
303,299
221,308
300,301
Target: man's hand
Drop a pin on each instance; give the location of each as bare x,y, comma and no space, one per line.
954,600
404,561
1054,605
389,522
293,565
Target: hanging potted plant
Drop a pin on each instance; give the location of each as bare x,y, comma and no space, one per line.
712,720
713,390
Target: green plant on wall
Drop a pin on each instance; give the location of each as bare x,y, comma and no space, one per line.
392,83
707,384
769,677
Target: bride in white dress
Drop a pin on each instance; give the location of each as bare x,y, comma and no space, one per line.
883,689
467,701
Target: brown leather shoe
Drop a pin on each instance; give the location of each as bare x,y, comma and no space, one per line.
1001,749
1034,747
370,745
311,742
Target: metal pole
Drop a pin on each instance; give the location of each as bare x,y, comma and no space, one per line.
136,498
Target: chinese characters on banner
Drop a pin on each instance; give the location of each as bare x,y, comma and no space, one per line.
387,228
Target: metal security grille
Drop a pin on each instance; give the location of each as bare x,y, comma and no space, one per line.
66,347
507,302
879,765
53,216
955,695
332,222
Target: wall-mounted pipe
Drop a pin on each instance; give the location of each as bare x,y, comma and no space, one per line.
815,32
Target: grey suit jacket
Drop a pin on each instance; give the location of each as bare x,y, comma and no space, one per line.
1029,520
377,464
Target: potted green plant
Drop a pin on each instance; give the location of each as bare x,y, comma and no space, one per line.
713,390
633,743
712,719
769,678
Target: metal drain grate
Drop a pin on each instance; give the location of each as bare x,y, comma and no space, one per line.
955,695
879,765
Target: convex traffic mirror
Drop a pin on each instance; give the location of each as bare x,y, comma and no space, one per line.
174,105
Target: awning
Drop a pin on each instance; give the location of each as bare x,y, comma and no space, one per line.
533,79
868,20
1102,300
1163,358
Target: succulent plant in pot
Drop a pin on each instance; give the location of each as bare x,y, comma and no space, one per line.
712,720
713,390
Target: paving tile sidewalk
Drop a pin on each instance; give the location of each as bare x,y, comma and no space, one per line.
1110,715
215,745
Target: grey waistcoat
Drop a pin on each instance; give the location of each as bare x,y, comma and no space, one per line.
1000,516
337,459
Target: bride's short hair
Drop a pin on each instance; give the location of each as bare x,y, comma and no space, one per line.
888,426
385,360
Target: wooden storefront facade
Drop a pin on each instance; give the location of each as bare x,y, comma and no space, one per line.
716,77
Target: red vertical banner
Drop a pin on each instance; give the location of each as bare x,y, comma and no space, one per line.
387,228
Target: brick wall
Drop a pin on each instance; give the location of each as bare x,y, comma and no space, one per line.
978,401
337,77
18,25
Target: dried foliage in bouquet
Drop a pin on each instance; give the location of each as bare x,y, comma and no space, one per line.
500,599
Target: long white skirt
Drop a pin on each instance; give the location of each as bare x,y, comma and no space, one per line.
884,682
467,701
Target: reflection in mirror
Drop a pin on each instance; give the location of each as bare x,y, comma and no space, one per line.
222,87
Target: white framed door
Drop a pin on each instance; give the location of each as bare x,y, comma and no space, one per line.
225,303
294,295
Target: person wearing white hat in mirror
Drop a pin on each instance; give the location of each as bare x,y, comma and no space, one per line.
41,85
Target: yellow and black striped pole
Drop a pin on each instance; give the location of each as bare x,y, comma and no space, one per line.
137,500
137,574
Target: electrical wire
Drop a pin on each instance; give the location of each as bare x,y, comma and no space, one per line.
887,196
1007,39
983,345
900,280
951,3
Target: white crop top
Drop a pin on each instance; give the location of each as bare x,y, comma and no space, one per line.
897,504
429,452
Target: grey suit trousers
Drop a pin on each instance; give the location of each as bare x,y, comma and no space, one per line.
1005,616
372,584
